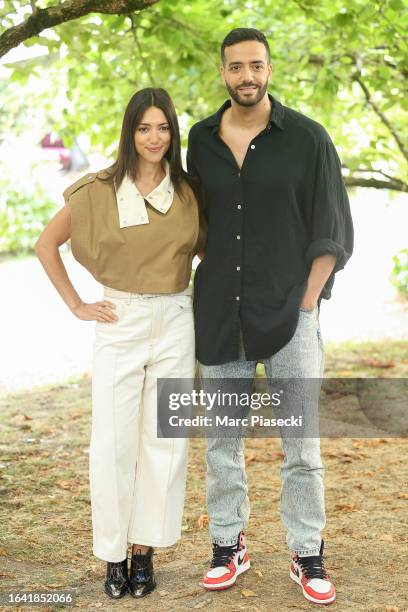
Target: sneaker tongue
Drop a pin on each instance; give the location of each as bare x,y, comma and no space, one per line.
313,567
223,554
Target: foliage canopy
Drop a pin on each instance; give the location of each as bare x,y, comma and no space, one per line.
342,63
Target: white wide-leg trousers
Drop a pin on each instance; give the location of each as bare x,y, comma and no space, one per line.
137,480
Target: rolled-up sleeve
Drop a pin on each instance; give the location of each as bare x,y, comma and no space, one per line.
331,227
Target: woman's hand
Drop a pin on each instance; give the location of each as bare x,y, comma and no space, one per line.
98,311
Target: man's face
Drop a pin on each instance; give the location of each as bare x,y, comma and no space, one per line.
246,72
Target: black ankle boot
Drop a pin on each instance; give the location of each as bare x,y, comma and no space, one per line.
141,581
116,583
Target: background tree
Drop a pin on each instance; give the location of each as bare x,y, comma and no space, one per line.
343,64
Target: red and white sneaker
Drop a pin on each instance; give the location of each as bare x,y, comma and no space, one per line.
310,574
227,564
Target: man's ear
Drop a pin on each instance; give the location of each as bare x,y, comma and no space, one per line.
222,73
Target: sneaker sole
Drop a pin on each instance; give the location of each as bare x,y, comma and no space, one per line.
228,583
309,597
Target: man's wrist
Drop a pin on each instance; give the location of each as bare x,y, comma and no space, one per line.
310,300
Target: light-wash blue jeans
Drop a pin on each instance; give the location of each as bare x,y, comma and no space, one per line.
302,492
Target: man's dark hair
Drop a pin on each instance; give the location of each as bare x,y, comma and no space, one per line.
240,35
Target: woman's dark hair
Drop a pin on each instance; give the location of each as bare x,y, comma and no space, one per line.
126,161
242,34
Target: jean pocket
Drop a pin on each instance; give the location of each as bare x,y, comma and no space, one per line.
183,302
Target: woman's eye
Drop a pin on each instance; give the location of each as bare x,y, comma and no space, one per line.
143,130
164,128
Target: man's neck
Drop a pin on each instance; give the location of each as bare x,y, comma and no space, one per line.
249,117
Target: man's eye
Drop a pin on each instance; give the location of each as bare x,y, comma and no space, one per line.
258,67
234,68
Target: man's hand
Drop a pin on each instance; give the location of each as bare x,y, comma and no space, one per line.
320,271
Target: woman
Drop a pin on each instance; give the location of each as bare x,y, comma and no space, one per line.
135,227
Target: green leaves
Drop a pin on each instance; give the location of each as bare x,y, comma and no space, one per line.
23,215
318,48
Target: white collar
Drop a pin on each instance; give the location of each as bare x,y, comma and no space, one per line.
131,203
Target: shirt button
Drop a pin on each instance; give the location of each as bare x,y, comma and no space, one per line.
238,268
237,298
239,174
252,146
239,207
238,237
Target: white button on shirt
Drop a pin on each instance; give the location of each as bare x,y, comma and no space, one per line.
131,203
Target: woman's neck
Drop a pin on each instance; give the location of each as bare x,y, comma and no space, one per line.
149,172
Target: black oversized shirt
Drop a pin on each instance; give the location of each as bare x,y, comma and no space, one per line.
266,223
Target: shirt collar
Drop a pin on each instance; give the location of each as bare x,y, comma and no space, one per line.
131,203
277,114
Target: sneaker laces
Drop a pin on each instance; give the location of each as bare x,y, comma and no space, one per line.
313,567
222,555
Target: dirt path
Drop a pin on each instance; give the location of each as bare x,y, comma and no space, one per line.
46,529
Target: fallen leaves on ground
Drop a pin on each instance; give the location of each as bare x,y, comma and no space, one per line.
346,507
376,363
202,521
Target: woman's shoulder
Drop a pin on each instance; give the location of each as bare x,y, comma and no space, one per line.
83,184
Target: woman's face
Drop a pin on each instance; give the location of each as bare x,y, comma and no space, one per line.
152,136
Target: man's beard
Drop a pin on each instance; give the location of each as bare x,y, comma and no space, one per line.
250,101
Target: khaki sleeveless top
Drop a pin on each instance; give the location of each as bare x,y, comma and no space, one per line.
150,258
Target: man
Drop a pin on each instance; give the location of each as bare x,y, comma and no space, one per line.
279,228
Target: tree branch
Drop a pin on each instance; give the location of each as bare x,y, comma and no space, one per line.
372,171
394,184
381,115
42,19
133,29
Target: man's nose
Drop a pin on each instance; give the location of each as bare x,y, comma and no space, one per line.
247,74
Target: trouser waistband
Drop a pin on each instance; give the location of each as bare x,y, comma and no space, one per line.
116,293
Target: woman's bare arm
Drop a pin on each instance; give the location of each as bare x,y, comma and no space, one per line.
56,233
